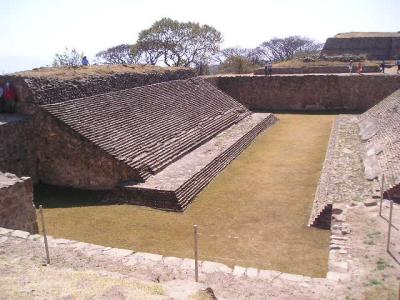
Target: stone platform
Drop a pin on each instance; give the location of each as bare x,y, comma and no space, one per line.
175,186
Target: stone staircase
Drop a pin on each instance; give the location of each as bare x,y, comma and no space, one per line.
177,188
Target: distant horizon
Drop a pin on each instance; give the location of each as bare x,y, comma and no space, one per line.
36,30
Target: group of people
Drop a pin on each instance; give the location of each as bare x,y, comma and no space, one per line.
7,99
268,69
360,67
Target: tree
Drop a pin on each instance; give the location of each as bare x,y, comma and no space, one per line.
178,43
281,49
237,64
68,58
121,54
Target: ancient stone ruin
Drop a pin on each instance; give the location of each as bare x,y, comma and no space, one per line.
372,45
156,145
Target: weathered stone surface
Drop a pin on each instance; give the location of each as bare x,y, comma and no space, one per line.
294,277
188,264
16,203
251,272
239,271
339,267
341,277
117,253
5,231
144,258
372,45
268,275
20,234
3,239
302,92
173,262
213,267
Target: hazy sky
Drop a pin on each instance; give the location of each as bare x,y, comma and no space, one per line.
34,30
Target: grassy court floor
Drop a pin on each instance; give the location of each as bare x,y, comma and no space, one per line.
253,214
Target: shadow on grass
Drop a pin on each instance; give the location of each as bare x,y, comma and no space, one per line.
311,112
60,197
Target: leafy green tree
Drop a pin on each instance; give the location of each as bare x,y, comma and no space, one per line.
68,58
178,43
121,54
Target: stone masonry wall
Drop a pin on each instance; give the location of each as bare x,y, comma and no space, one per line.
16,203
67,159
318,70
308,92
16,146
53,90
372,47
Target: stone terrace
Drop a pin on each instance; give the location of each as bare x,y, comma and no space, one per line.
183,179
380,132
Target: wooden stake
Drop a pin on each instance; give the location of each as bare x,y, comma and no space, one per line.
46,246
382,187
196,253
390,225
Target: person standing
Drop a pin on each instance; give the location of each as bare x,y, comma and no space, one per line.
85,61
359,68
383,66
9,99
269,68
350,67
2,104
398,65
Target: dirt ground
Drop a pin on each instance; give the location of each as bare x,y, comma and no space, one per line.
253,214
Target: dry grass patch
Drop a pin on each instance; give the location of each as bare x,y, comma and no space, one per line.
82,72
253,214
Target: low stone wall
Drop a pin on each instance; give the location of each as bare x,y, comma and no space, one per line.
16,203
307,92
318,70
16,145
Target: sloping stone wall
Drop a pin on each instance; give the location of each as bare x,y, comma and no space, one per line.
307,92
66,158
16,203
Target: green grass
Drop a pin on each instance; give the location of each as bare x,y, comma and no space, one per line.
253,214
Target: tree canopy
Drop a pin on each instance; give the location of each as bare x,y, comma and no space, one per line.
121,54
178,43
281,49
68,58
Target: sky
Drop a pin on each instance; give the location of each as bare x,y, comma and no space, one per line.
34,30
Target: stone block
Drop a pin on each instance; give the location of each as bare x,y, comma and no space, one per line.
172,262
238,271
34,237
20,234
268,275
214,267
252,272
143,258
338,277
5,231
294,277
338,266
188,264
117,253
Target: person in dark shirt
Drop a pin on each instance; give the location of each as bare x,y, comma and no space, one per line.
9,98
